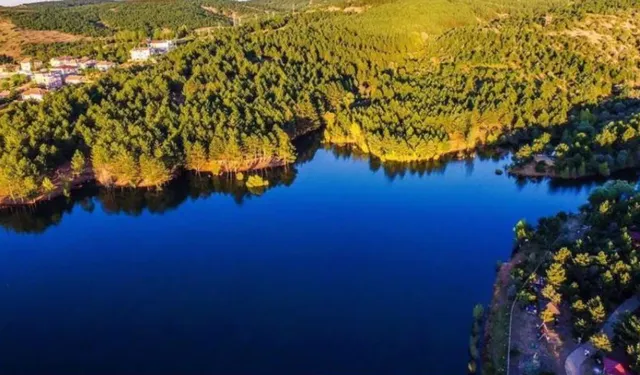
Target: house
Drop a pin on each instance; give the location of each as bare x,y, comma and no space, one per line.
34,94
552,308
162,46
74,79
49,80
28,65
86,63
65,70
56,62
614,367
103,66
141,54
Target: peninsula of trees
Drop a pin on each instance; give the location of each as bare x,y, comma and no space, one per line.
572,271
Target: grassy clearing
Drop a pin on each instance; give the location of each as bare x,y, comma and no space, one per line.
433,17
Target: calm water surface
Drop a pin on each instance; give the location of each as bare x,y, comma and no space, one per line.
340,268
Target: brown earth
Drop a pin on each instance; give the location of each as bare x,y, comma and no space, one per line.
529,170
12,38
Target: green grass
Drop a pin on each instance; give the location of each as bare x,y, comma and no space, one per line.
433,17
389,17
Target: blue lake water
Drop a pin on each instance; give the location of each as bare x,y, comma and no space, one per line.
338,269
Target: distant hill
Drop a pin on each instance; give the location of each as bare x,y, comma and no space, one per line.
104,17
101,18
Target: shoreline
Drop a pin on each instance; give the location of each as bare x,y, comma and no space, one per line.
495,342
89,175
65,182
528,171
63,176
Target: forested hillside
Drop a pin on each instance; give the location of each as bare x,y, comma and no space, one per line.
232,100
101,18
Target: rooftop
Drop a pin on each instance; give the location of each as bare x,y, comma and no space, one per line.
35,91
553,308
614,367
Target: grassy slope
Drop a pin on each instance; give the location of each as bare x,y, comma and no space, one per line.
381,16
434,16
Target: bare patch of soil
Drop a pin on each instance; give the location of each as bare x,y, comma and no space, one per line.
12,38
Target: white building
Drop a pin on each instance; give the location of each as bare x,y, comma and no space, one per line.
34,94
103,66
162,46
29,66
86,63
63,61
141,54
50,80
65,70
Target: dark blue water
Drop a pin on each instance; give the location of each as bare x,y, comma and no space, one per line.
337,269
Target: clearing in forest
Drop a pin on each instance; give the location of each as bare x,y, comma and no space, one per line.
12,38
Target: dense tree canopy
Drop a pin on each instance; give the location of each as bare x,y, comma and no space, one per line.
595,266
233,100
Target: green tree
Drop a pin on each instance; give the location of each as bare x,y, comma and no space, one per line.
153,172
601,342
556,274
77,163
47,186
196,157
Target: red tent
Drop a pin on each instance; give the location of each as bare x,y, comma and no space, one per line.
613,367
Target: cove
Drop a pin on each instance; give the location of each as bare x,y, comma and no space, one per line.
342,266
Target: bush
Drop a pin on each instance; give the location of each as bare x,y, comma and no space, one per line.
255,181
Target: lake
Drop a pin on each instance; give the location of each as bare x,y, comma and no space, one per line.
340,267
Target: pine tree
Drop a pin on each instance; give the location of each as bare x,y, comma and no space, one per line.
47,186
77,163
601,342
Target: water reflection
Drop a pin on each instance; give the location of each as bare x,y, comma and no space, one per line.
134,202
576,186
394,170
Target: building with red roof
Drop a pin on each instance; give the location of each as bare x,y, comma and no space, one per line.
614,367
